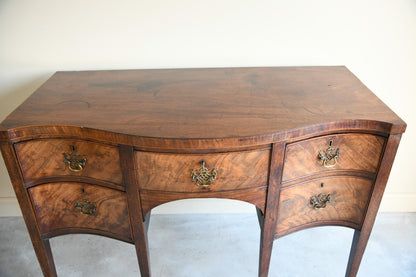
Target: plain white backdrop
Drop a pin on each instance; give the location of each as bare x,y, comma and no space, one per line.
376,40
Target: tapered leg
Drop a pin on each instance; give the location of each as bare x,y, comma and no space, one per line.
260,217
353,261
41,246
45,258
138,224
268,223
361,237
146,222
266,247
140,242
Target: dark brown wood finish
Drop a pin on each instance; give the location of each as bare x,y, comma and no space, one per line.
55,208
270,215
348,201
201,145
41,245
360,152
172,172
44,158
144,130
201,103
362,235
139,229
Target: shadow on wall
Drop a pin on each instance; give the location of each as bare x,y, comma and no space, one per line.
14,92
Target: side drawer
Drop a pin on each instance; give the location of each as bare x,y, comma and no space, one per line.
173,172
307,204
45,158
78,207
355,152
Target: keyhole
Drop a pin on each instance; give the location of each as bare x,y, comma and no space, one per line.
83,190
322,185
330,142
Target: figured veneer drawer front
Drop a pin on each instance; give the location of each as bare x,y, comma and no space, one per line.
82,207
331,200
45,158
355,152
173,172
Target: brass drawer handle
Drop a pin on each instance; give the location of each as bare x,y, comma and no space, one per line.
329,156
85,207
75,161
203,177
319,201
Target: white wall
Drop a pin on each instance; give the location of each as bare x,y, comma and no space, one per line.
376,40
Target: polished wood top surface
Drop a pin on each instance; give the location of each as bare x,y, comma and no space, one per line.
202,103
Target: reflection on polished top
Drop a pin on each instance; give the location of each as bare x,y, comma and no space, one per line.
202,103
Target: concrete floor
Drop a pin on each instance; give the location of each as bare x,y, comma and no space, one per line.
217,245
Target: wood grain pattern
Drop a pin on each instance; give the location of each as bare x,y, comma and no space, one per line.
202,103
172,172
361,236
349,199
151,199
206,145
360,152
138,227
44,158
54,206
41,246
228,116
268,226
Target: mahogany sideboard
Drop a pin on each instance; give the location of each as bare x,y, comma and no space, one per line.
94,151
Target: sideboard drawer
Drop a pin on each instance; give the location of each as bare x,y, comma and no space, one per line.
81,207
46,158
334,152
331,200
202,172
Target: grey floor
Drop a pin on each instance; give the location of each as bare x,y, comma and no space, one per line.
217,245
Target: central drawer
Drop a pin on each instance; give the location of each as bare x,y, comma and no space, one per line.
187,172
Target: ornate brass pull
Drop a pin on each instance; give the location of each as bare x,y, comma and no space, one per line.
329,156
85,207
75,161
203,177
319,201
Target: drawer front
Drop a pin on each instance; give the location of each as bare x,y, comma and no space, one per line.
45,158
308,204
173,172
77,205
347,152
